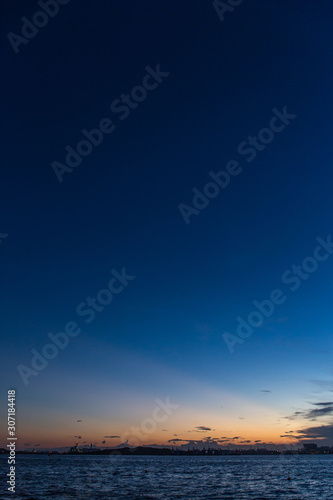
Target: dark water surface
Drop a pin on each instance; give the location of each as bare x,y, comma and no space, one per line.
147,477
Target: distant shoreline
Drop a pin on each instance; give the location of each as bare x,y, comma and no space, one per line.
142,450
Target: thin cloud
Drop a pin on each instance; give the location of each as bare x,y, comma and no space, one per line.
326,408
294,415
320,432
327,385
320,412
203,328
282,319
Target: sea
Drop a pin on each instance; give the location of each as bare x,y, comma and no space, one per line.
175,477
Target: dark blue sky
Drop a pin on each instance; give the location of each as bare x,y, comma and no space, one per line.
163,334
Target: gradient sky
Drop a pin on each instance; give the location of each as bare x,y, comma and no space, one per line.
162,336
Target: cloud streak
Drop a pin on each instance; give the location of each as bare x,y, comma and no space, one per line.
325,409
203,428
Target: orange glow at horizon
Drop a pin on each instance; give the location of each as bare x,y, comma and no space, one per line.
187,424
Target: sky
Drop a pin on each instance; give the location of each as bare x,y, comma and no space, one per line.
166,229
